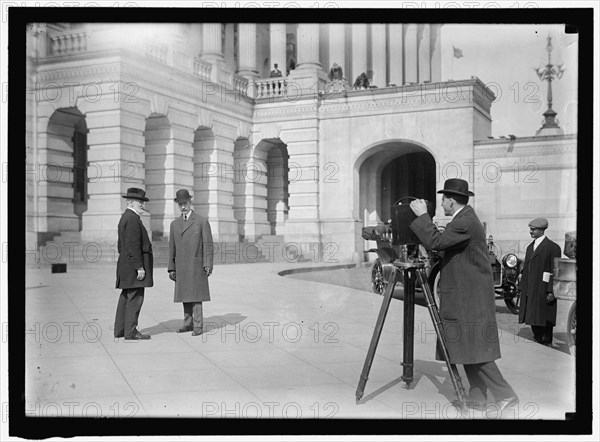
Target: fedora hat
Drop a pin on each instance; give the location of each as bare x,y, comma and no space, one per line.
456,186
182,196
135,194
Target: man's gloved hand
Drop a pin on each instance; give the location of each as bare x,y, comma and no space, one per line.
550,298
208,270
141,274
172,275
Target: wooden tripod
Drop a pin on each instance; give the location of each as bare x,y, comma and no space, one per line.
412,271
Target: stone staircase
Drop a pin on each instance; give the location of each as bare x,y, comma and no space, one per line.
70,249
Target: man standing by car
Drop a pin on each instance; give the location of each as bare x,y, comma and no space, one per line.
190,262
467,306
134,267
538,304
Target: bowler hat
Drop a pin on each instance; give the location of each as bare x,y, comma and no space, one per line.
182,196
135,194
456,186
539,223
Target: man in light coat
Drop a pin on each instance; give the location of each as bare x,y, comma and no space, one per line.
190,262
467,305
538,304
134,267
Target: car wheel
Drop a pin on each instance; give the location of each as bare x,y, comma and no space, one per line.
572,328
514,303
377,282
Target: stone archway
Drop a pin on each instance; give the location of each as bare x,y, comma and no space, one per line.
65,172
389,171
158,141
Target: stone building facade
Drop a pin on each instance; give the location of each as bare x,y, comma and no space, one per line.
293,165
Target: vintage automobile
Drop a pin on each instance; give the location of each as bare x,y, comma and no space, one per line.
565,285
506,271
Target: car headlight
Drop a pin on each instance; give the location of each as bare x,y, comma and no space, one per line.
510,260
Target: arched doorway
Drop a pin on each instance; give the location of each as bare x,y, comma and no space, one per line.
157,143
66,171
392,170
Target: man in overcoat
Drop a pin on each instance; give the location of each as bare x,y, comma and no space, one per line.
467,305
538,304
134,267
190,262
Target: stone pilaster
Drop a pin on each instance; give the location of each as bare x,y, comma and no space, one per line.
359,50
424,42
396,49
410,54
337,47
436,53
116,162
379,55
278,46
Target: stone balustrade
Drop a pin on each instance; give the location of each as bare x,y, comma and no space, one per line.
68,43
202,69
157,51
271,87
240,84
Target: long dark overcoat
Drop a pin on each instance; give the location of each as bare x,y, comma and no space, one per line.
467,305
190,250
534,310
135,251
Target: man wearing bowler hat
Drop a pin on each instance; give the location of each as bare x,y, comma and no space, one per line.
467,304
538,304
190,262
134,267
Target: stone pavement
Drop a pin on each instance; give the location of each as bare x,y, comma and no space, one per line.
273,347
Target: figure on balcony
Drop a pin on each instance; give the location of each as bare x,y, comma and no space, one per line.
275,72
336,73
361,82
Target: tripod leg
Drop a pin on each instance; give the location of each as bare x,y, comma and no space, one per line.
387,297
437,324
409,326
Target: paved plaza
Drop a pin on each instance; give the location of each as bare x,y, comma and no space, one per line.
273,347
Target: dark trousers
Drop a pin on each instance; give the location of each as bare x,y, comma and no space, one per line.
192,315
128,311
543,334
486,376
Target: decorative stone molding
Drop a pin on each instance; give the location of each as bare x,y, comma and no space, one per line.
244,129
269,131
159,105
205,119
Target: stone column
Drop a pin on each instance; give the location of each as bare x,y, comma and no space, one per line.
359,50
211,42
308,46
247,51
424,42
337,47
436,53
410,54
379,52
278,46
396,51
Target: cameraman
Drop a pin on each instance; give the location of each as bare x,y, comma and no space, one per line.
467,306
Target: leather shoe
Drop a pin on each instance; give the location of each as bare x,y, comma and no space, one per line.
197,332
184,329
120,336
506,403
137,336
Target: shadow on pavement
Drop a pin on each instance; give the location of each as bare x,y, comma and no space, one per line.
210,323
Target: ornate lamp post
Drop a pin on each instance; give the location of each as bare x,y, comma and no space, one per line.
549,72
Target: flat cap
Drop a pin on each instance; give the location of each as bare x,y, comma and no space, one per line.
539,223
